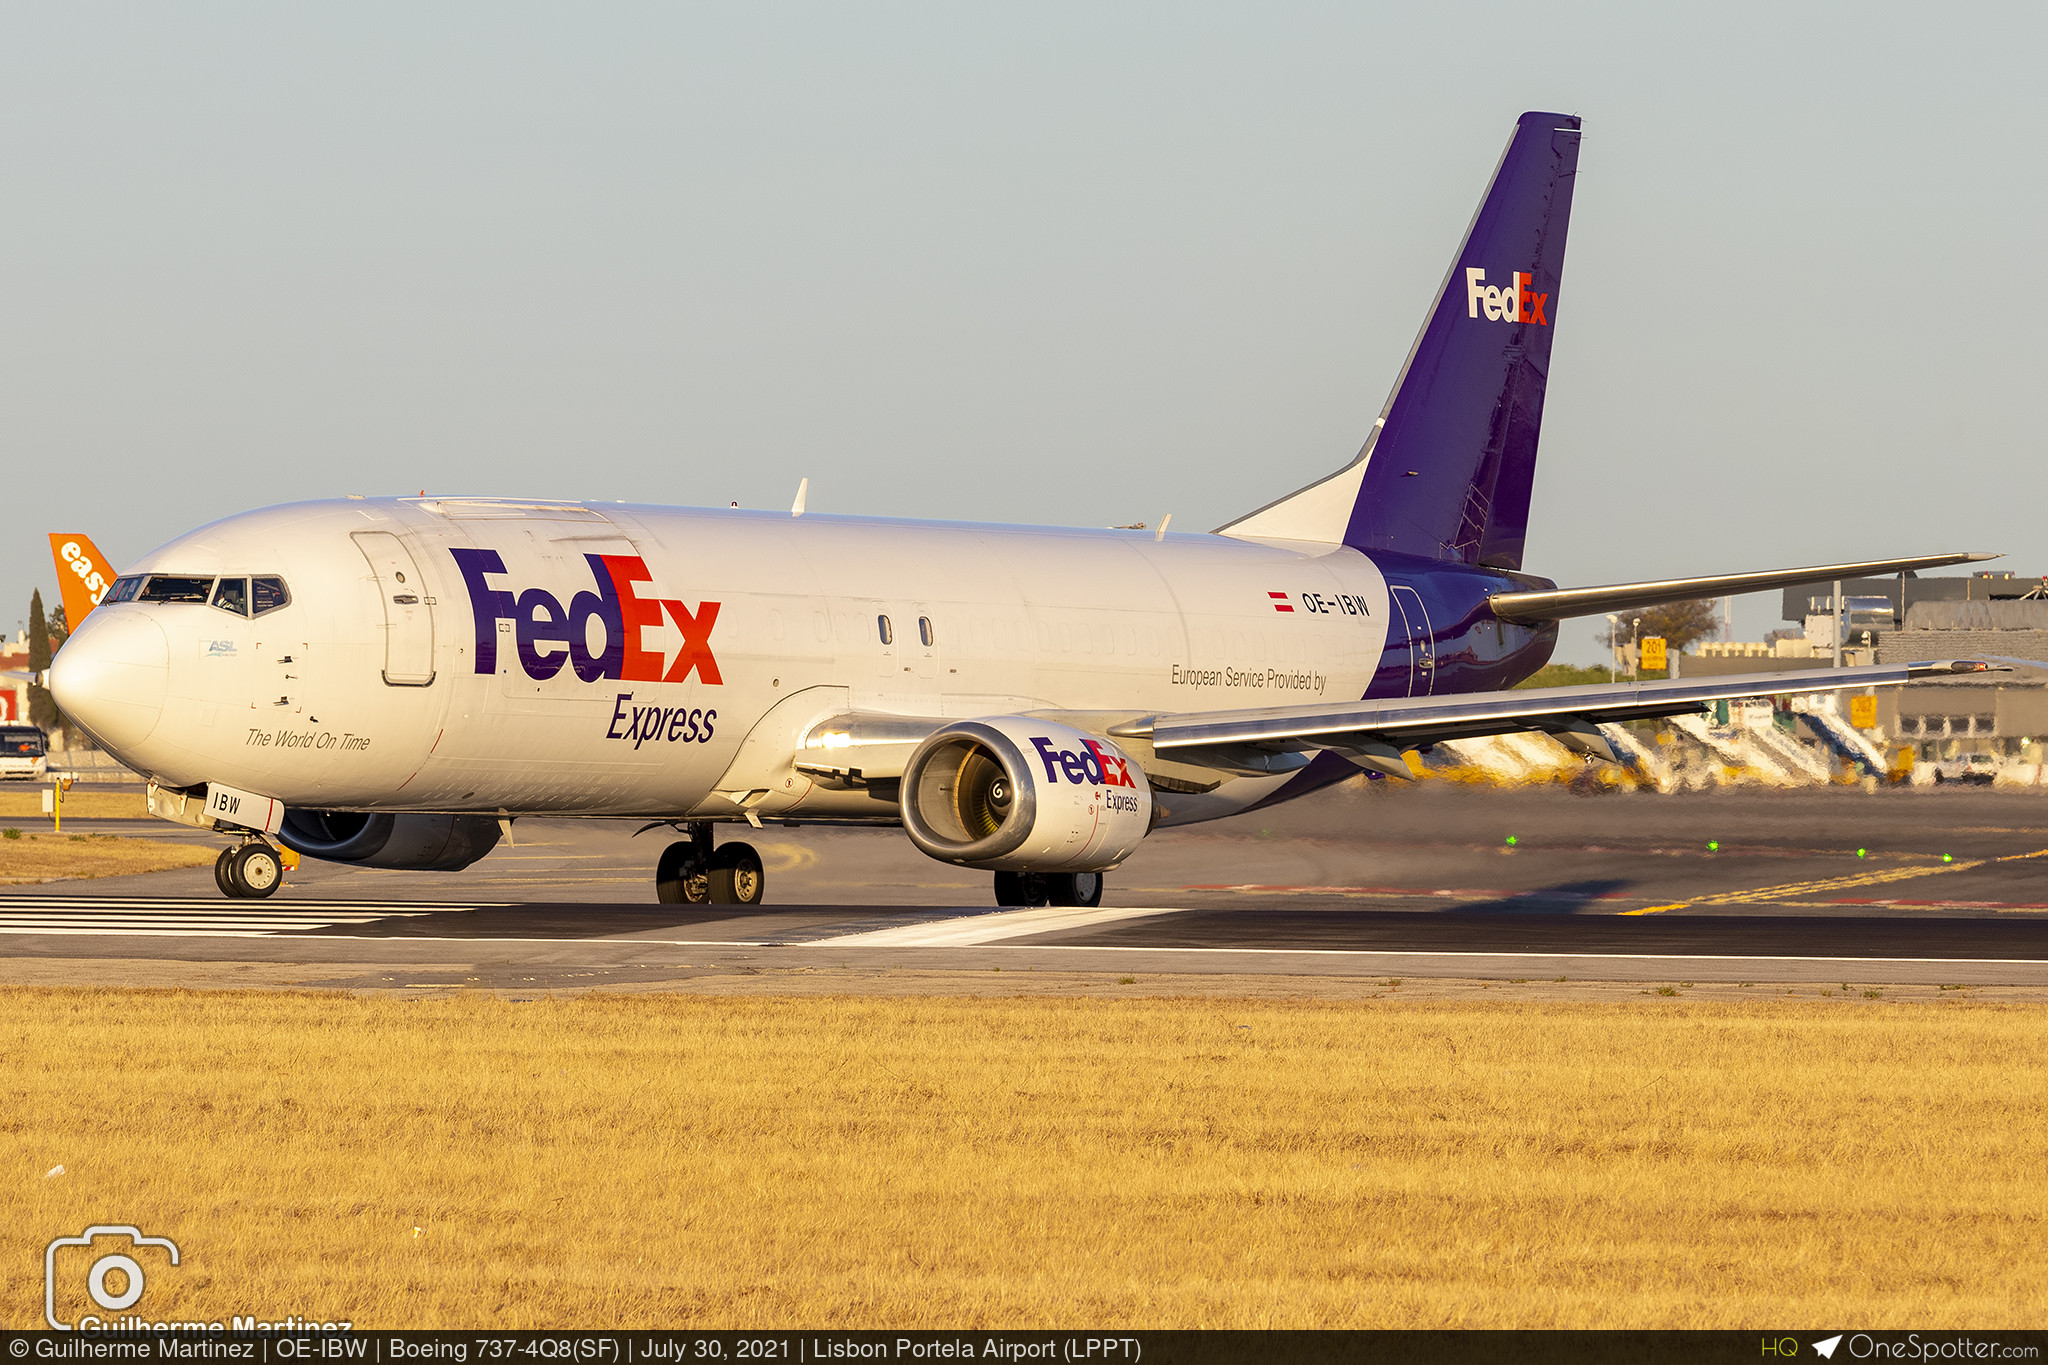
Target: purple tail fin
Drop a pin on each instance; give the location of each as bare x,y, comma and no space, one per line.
1447,471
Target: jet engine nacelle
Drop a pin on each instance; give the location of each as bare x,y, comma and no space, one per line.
419,843
1013,794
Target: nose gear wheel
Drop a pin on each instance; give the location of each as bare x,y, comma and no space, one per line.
249,871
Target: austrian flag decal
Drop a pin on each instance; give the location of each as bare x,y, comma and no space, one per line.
1280,602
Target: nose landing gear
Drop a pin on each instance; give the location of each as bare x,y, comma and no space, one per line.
1049,888
692,872
248,871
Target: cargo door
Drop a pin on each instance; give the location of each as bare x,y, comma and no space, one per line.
408,610
559,566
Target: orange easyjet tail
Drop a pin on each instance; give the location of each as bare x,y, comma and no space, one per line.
84,575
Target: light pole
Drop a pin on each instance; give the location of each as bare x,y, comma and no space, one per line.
1613,644
1635,645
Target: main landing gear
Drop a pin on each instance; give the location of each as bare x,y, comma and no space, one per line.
248,871
1049,888
692,872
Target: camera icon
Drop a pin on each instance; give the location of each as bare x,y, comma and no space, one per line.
132,1279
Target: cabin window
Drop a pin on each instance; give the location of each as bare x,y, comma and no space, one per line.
924,631
885,630
269,594
232,595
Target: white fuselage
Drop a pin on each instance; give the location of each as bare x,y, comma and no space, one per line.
354,697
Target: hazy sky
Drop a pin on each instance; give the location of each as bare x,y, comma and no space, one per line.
1086,263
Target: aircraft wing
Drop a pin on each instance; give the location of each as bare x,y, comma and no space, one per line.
1557,604
1374,733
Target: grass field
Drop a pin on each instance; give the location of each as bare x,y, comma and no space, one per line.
664,1160
79,804
26,857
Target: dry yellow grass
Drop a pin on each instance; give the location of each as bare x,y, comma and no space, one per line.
664,1160
42,857
79,804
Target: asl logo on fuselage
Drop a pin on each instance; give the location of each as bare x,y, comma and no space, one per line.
547,637
1517,303
1089,767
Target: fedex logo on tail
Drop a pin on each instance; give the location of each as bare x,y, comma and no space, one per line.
1518,302
1091,765
546,636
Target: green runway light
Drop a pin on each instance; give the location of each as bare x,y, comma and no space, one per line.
1859,852
1947,858
1511,841
1713,845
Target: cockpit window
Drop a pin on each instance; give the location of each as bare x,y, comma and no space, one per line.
163,587
242,596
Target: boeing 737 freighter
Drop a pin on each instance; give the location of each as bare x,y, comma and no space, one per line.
390,682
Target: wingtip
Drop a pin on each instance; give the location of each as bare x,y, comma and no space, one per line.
1950,667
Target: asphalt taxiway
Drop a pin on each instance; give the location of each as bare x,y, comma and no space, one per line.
1364,882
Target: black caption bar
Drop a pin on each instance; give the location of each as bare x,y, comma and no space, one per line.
365,1346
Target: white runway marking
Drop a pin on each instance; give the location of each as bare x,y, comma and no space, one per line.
144,916
989,928
292,905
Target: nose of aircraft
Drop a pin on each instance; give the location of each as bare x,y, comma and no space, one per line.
111,677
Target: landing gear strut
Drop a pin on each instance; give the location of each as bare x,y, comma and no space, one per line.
692,872
248,871
1049,888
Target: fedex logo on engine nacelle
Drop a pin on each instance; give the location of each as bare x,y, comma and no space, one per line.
1516,303
538,622
1091,766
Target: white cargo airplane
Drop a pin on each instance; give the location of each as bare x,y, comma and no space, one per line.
389,682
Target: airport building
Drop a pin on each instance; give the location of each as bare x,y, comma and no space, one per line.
14,689
1903,619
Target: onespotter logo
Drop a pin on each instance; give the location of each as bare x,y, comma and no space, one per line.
546,636
1517,303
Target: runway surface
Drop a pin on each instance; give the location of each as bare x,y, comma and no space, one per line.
1831,886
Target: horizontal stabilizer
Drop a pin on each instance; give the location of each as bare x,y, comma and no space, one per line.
1556,604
